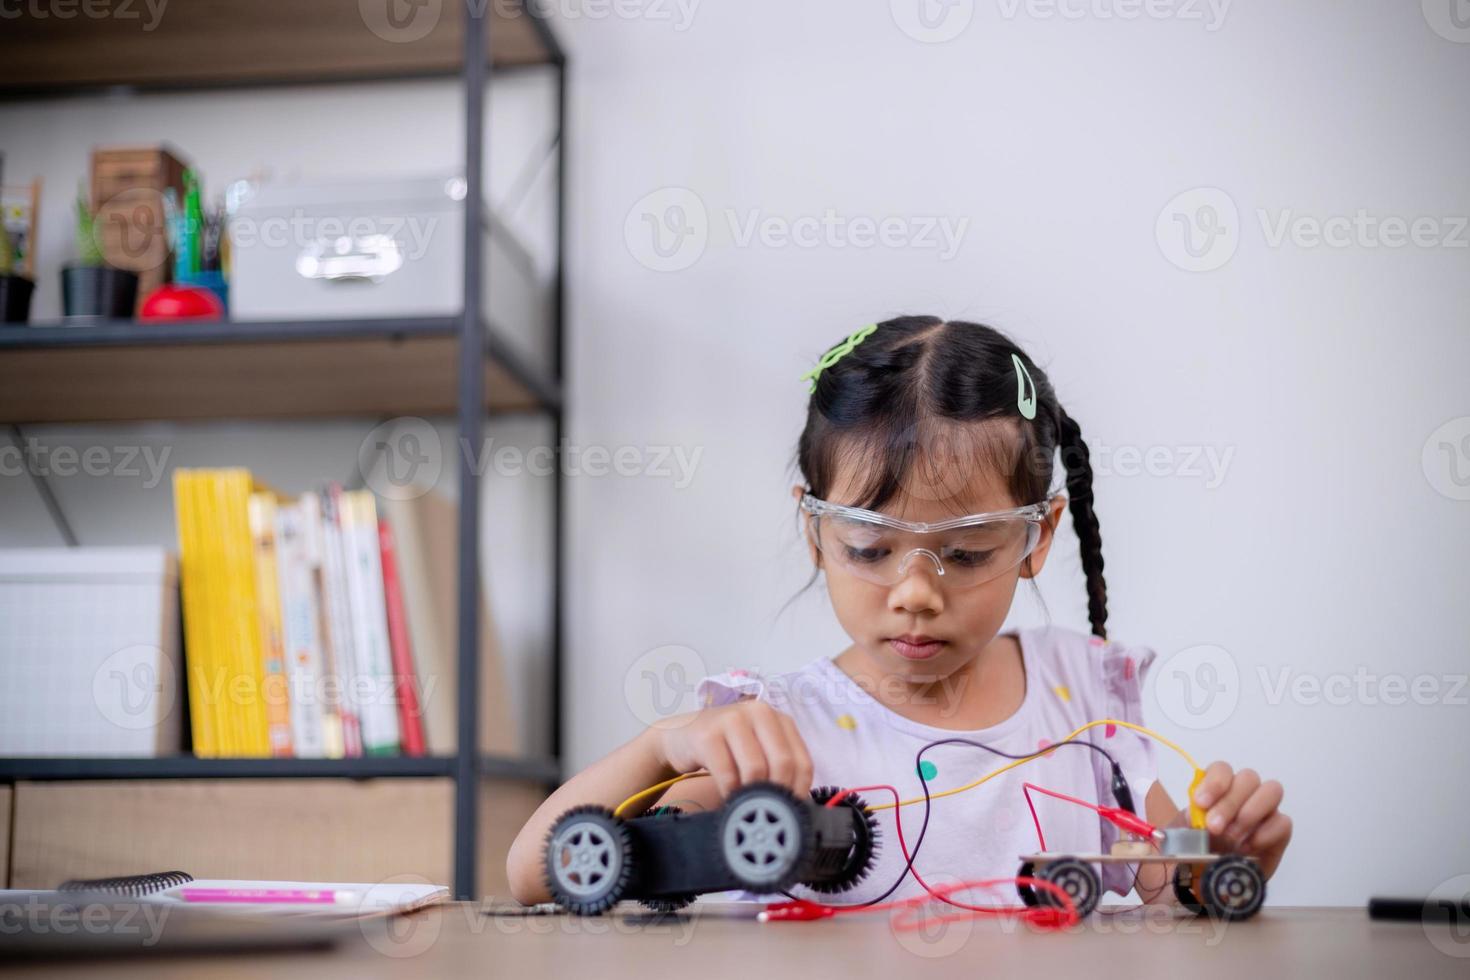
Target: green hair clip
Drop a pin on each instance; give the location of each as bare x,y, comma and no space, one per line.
1025,404
837,353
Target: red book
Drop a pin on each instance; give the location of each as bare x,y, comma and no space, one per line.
410,718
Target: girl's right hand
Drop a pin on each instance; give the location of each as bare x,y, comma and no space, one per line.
738,743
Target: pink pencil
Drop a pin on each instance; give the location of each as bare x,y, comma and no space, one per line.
267,896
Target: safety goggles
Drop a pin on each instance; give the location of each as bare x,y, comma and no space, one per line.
965,551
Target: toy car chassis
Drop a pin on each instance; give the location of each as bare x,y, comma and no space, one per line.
1225,886
763,838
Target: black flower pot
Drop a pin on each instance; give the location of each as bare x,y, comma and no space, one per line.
15,299
98,291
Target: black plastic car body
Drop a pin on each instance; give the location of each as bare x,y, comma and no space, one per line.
762,838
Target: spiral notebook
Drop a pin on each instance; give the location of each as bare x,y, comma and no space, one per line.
305,898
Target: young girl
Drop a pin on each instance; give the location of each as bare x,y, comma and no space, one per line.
913,422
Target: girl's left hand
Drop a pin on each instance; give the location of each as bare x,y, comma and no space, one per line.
1243,814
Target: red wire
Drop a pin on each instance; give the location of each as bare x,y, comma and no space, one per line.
1035,820
1121,819
1027,787
1046,917
1051,918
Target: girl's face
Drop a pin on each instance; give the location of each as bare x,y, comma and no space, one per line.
965,621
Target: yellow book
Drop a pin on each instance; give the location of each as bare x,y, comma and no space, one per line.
191,590
222,627
217,653
213,654
248,699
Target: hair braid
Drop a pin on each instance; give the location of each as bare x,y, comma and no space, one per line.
1077,462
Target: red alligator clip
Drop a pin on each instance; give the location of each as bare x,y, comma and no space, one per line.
797,911
1125,820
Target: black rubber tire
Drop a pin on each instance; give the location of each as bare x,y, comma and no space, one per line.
1233,888
1183,890
1077,879
864,853
666,903
786,836
606,842
1027,893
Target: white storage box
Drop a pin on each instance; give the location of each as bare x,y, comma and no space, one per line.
350,249
89,652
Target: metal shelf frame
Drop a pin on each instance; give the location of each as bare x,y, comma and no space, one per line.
477,341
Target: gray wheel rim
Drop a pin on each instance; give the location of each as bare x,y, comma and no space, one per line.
1234,888
762,839
586,858
1076,883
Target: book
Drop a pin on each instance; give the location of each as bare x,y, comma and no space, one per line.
191,599
223,653
329,684
243,694
405,677
426,530
261,511
358,523
343,657
324,626
300,633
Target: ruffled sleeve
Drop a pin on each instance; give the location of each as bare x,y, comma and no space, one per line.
1124,669
730,686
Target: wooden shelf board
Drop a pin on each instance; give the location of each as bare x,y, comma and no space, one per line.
538,770
118,372
207,43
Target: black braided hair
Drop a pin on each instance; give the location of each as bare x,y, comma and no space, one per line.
917,384
1077,462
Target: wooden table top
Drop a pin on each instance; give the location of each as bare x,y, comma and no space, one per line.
722,940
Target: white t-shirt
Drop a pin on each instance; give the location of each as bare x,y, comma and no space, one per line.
854,740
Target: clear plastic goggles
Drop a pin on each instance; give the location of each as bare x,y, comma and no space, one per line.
964,551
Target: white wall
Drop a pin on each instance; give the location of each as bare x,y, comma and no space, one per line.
1325,548
1324,370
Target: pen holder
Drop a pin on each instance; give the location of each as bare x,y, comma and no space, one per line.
98,291
15,299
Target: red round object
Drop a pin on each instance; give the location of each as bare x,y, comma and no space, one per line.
171,302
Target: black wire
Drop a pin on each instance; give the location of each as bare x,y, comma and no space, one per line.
923,827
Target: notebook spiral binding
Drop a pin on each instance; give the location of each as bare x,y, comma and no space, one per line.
133,886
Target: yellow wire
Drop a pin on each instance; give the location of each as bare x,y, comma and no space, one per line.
1030,758
627,804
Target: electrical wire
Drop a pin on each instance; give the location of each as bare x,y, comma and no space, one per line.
924,783
1070,739
621,809
928,798
1057,917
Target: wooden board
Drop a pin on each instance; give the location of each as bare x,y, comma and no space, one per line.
191,43
457,940
1044,859
505,806
332,377
291,829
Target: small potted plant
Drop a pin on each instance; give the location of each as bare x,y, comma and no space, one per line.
91,287
15,289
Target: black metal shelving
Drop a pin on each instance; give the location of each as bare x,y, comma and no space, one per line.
479,352
543,770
